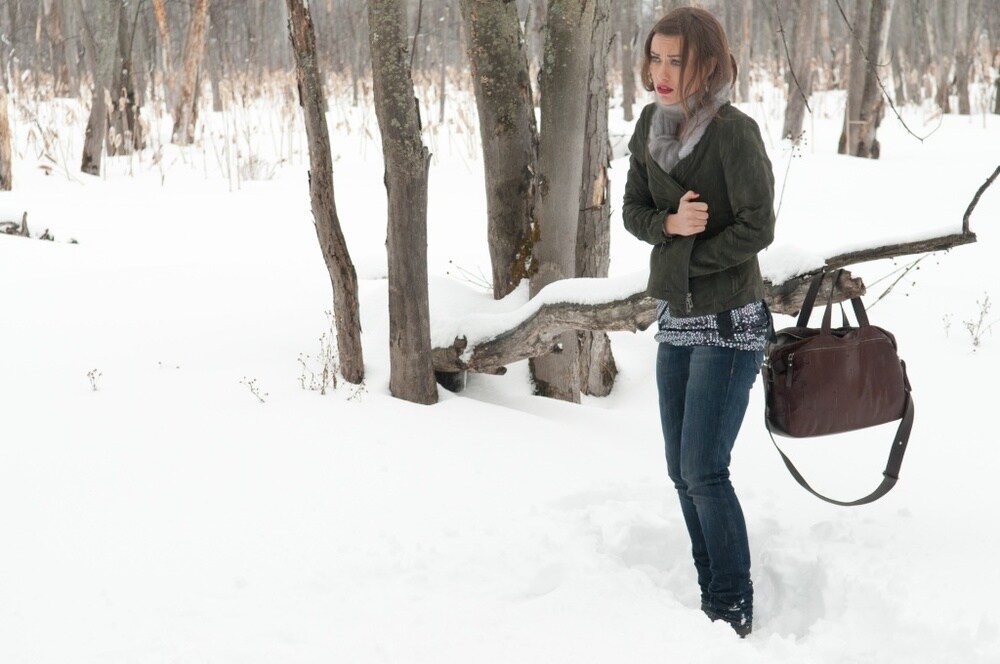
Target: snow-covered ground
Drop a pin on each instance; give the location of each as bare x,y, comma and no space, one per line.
169,492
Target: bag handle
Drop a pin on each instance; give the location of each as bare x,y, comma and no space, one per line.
810,300
889,475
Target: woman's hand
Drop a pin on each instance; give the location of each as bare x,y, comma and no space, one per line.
690,218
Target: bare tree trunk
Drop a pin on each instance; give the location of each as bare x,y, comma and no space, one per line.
507,129
105,26
870,25
160,14
53,21
343,277
406,166
743,50
563,82
89,43
13,76
186,111
127,132
628,33
937,50
800,78
856,74
899,73
826,51
6,177
963,42
213,54
873,99
593,243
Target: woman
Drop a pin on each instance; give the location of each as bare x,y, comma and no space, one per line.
700,190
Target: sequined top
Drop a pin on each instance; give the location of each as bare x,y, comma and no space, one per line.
742,328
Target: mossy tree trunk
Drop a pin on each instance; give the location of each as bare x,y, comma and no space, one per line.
343,277
411,371
496,51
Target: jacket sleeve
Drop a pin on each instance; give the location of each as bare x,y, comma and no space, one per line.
750,186
642,218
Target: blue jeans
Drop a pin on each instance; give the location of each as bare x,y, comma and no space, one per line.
704,392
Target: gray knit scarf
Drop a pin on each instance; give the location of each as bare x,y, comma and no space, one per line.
671,139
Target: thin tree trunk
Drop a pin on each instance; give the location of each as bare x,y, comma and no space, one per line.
106,35
870,23
124,107
963,43
53,21
857,36
593,244
563,82
214,54
873,100
743,50
343,277
186,111
13,46
800,79
628,32
938,50
89,43
509,138
6,176
411,370
826,51
160,14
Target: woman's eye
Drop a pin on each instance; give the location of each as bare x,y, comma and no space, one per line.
675,62
655,59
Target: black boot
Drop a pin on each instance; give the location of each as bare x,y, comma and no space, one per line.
741,623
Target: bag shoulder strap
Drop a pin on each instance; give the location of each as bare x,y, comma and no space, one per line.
889,475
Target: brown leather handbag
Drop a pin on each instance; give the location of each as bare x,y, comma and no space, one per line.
832,380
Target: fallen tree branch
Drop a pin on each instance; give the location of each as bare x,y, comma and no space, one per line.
903,249
537,333
13,228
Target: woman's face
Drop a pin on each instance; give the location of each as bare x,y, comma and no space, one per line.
665,58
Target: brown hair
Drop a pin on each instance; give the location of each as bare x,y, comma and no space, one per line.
704,45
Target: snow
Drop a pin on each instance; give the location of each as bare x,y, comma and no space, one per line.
171,515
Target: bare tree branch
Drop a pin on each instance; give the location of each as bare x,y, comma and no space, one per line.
975,199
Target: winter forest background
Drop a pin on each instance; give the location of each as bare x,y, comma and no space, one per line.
211,447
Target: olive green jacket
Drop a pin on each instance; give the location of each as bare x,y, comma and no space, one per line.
717,269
